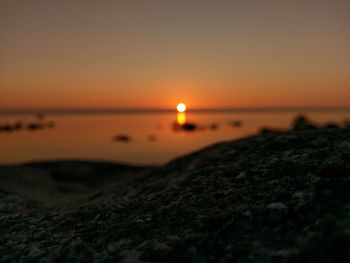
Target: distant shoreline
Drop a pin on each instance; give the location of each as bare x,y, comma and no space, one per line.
158,111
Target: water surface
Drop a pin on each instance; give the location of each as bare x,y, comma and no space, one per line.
90,136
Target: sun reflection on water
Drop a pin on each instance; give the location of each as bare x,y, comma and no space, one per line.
181,118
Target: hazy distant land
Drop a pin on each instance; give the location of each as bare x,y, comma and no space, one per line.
168,110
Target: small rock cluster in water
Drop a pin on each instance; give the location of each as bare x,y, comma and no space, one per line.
124,138
191,126
301,122
39,124
176,127
236,123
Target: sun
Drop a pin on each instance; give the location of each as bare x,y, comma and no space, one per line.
181,107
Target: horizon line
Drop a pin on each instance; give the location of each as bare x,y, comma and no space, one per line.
167,110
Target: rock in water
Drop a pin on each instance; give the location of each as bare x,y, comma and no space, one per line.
301,123
6,128
187,127
33,126
122,138
236,123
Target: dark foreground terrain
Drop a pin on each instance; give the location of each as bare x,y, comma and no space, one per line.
274,197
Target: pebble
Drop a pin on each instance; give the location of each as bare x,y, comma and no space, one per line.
248,214
241,176
112,248
277,206
277,211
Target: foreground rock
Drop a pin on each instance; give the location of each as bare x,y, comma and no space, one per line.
275,197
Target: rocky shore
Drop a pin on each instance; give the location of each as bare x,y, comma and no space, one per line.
273,197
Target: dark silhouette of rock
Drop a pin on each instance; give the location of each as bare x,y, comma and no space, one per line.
301,122
18,125
33,126
6,128
122,138
191,127
236,123
331,125
187,127
11,127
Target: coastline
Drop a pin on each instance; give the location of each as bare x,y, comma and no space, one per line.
275,196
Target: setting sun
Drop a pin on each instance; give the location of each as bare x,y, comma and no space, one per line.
181,107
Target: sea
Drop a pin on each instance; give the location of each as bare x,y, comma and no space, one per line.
136,137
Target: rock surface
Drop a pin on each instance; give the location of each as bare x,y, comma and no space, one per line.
274,197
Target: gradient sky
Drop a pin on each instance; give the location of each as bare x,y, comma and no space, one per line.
127,54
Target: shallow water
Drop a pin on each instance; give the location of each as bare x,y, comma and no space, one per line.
91,136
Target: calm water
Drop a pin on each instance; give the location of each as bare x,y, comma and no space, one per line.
91,136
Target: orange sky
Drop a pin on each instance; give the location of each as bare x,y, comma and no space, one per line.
153,54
